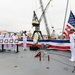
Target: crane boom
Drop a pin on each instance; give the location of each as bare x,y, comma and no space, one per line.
44,11
45,21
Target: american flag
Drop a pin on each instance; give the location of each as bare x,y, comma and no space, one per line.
70,24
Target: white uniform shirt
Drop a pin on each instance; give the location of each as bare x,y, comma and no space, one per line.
6,35
15,37
24,37
72,38
1,36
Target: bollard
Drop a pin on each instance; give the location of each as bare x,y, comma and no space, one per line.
47,45
42,46
48,58
40,57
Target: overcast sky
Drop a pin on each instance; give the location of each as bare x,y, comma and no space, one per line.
16,15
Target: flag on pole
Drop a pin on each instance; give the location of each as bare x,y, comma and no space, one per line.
70,24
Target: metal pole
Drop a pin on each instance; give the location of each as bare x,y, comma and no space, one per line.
65,17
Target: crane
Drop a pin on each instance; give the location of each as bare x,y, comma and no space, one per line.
36,21
44,16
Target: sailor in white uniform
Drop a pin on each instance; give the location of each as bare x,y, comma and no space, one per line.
72,45
1,38
24,40
9,38
15,37
6,36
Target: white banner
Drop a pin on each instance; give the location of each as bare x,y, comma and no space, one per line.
8,41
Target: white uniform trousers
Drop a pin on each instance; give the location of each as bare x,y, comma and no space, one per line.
9,46
6,46
14,47
24,44
72,48
1,46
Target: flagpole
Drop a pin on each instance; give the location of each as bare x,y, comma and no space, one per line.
65,17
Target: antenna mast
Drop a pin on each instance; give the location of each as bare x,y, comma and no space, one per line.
65,17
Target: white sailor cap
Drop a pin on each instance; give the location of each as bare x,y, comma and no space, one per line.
72,29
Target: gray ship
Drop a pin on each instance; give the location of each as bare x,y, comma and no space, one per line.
25,62
50,62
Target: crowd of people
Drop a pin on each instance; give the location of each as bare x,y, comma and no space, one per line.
8,36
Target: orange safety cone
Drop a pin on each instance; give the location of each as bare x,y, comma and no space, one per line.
38,54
